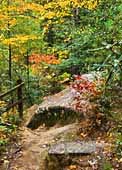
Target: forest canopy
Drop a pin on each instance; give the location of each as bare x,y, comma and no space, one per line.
76,36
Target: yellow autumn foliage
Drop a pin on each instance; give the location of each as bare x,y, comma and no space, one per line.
63,4
57,9
3,17
12,22
2,103
54,4
50,15
63,54
19,39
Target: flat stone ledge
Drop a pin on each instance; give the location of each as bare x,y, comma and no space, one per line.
77,147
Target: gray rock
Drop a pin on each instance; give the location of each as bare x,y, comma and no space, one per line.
77,147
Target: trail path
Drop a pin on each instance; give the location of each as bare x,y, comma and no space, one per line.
34,146
36,142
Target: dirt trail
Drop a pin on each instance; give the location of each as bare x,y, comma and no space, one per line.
35,144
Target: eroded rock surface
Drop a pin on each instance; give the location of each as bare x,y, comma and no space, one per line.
55,108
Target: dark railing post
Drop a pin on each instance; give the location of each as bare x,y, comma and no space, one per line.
20,99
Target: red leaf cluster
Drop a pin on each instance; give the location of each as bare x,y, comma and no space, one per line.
82,85
84,88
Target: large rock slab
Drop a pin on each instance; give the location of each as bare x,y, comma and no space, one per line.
54,108
61,106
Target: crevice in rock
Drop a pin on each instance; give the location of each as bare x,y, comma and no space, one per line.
53,115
